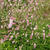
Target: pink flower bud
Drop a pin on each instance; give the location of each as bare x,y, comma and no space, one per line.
48,26
11,38
27,22
36,3
10,25
31,17
34,45
43,36
30,36
11,22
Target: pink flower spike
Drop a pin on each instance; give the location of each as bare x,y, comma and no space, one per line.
30,36
34,45
36,3
43,36
11,22
48,34
11,38
31,17
27,22
48,26
9,25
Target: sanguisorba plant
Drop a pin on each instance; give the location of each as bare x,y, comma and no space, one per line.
24,24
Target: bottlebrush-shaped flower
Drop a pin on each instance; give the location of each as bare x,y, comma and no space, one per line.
34,45
31,36
36,3
48,26
43,36
11,22
27,22
11,37
31,17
